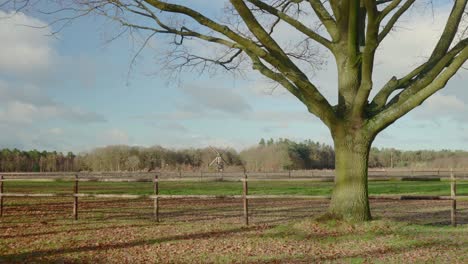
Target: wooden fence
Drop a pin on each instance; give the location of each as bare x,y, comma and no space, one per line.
99,177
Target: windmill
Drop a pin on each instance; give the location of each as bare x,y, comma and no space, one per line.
219,160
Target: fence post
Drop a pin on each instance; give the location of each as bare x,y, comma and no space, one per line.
1,197
201,175
246,201
75,198
453,194
156,199
289,172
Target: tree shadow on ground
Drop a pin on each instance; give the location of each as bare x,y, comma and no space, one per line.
346,258
433,213
68,232
34,255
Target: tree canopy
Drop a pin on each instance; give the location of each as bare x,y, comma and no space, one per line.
245,35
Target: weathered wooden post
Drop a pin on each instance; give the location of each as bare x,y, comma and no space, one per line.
75,198
246,201
289,172
453,194
1,195
156,199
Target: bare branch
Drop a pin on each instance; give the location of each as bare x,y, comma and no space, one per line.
450,30
293,22
321,107
325,17
145,42
439,52
413,96
389,8
392,21
381,2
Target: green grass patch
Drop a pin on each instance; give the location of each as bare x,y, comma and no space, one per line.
234,188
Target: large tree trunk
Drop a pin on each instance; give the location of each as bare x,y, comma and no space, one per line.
350,196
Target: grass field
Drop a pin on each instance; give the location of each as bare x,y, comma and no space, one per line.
40,230
233,188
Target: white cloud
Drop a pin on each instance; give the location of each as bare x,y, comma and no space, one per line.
282,117
24,137
78,115
202,141
56,131
113,136
445,103
28,105
174,127
27,58
440,106
215,98
25,93
25,48
19,112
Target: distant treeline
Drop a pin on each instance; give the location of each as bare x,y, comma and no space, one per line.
284,154
38,161
268,155
114,158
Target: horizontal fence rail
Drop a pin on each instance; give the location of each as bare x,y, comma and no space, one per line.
134,177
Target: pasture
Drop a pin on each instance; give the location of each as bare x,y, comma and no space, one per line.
212,231
193,187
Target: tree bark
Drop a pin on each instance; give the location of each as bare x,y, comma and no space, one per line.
350,194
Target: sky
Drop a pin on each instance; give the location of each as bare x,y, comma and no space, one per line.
76,91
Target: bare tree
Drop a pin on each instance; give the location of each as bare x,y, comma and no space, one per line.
351,30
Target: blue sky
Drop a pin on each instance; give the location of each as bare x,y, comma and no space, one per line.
73,93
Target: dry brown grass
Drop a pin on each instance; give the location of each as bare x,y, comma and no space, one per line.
211,231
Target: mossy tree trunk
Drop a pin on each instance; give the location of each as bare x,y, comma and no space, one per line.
350,194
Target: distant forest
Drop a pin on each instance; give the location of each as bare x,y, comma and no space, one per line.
268,155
